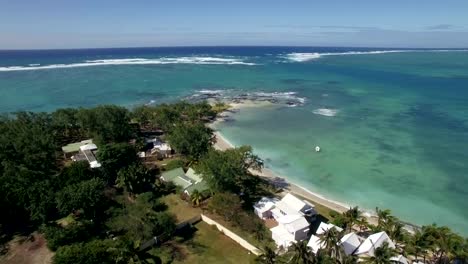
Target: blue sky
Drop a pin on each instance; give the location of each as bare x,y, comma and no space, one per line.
137,23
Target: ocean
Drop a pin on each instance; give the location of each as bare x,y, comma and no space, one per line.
392,124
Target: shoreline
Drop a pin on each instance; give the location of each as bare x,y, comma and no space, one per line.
221,143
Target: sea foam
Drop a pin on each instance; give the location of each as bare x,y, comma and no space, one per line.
134,61
302,57
325,112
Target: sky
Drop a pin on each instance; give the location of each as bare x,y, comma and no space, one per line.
57,24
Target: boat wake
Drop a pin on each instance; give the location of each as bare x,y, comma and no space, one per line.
134,61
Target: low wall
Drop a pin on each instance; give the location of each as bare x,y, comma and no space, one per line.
232,235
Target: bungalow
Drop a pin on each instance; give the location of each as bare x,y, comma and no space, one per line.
372,242
83,150
189,181
350,242
324,227
291,229
290,205
400,259
315,244
159,148
263,207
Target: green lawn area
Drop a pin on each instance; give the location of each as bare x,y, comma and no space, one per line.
181,209
208,245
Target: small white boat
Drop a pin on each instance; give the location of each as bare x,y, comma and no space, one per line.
317,149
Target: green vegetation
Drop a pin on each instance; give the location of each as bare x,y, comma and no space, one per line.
106,215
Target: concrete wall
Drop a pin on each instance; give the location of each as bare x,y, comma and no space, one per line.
232,235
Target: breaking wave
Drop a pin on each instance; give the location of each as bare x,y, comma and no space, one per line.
325,112
133,61
290,99
302,57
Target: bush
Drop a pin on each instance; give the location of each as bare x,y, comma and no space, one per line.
174,164
58,236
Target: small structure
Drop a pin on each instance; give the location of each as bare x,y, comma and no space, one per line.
317,149
324,227
263,207
350,242
372,242
291,229
159,148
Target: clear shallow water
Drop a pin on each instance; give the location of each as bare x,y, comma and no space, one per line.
393,126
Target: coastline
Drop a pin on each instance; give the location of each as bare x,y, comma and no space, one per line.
222,144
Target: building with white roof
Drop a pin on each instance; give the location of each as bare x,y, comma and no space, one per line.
350,242
290,229
372,242
324,227
290,205
400,259
314,244
263,207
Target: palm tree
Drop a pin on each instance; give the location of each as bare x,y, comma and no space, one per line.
196,197
330,241
385,218
302,254
352,216
381,255
268,257
418,245
362,223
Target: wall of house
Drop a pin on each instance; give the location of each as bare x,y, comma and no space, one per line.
232,235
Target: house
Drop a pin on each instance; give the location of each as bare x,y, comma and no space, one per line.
189,181
324,227
197,183
315,244
291,205
159,148
350,242
74,148
83,150
263,207
291,229
372,242
177,176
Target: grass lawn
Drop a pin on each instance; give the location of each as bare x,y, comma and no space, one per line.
181,209
208,245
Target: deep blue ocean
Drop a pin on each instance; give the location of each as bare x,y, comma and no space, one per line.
392,123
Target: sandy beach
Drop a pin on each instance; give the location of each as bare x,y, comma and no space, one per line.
222,144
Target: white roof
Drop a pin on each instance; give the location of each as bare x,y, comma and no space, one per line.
293,202
88,147
94,164
293,223
350,242
315,244
324,227
264,204
281,236
400,259
374,241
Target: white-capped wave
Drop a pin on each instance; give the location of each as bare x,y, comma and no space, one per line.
134,61
325,112
304,56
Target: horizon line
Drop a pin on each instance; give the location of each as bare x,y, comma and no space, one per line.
231,46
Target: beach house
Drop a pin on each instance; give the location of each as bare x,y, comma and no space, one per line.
324,227
159,148
291,205
263,207
374,241
290,229
189,181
